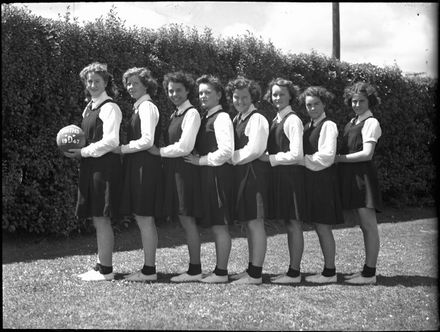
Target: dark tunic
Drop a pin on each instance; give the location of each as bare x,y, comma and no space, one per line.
100,179
217,181
359,185
286,185
182,180
322,193
250,181
142,192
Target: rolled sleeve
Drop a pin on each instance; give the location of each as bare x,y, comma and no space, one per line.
325,156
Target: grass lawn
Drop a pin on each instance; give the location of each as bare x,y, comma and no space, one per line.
40,289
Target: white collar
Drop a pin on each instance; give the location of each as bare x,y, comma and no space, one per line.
184,106
281,114
141,100
211,111
363,116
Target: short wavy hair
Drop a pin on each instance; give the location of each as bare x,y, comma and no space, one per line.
101,70
180,77
364,88
240,83
322,93
292,88
217,85
144,76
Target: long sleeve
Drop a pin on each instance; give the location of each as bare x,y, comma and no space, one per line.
257,131
293,128
224,134
325,155
111,117
184,146
149,116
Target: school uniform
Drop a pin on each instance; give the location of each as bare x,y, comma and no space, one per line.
250,173
322,193
359,185
100,172
215,143
286,185
182,194
142,192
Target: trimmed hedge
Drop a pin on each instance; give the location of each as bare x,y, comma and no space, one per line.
42,92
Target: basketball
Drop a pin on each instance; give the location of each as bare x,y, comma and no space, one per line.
71,137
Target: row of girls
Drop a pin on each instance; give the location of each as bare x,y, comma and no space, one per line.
214,170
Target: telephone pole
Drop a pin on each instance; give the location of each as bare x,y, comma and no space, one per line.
336,31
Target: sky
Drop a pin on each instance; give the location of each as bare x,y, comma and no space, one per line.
380,33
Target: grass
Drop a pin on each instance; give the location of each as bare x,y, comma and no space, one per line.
40,289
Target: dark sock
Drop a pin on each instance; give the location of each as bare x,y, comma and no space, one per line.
148,270
103,269
368,272
255,271
328,272
293,273
194,269
220,272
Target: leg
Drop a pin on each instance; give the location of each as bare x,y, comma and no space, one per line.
327,242
295,241
105,239
258,240
371,235
222,240
192,238
148,230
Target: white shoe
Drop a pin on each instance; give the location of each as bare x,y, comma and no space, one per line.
353,275
139,276
361,280
94,275
215,279
185,277
320,279
248,280
285,279
276,277
239,275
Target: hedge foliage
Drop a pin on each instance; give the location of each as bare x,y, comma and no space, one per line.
42,92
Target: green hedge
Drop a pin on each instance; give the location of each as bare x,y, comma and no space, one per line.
41,93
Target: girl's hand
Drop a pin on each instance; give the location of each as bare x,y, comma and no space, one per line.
117,150
338,158
154,150
73,153
192,159
264,157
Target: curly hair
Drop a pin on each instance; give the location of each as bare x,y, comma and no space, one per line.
362,88
180,77
322,93
243,83
144,76
101,70
217,85
292,88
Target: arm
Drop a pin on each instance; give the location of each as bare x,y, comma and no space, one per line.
183,147
293,129
149,116
111,117
325,155
257,130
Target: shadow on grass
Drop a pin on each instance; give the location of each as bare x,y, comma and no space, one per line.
28,247
399,280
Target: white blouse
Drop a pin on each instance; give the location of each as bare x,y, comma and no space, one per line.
293,129
149,116
111,117
190,128
224,134
371,130
257,131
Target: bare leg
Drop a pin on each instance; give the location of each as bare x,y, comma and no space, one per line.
295,241
327,242
192,238
258,240
371,235
148,230
105,239
222,240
